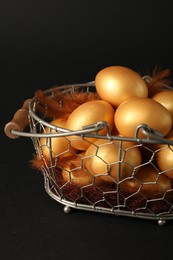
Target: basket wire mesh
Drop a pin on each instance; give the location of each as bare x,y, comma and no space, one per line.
99,196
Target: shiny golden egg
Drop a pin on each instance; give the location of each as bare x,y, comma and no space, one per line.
116,84
86,114
106,159
137,111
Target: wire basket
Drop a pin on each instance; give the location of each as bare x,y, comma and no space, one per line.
117,196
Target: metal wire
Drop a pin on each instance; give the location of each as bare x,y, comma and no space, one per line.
119,204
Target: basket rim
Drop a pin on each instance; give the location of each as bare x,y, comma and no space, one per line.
63,88
152,136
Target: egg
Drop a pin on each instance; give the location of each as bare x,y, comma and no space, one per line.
116,84
137,111
103,159
164,157
74,172
77,176
55,146
169,136
88,113
166,99
165,160
148,182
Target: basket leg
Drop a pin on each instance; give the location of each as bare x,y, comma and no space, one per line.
67,209
161,222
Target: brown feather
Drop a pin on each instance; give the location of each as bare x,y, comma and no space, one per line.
159,81
61,104
36,163
62,162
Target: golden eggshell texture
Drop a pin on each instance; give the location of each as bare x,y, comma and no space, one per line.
116,84
164,156
89,113
165,160
136,111
102,159
51,147
166,99
75,173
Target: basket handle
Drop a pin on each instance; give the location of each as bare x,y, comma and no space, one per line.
19,121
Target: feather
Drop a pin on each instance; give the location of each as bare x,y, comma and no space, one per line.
61,104
159,81
36,163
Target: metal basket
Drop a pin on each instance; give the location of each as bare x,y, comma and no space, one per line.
102,197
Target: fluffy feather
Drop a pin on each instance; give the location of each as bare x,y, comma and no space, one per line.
61,104
37,163
159,81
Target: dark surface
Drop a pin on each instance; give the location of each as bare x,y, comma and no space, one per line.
43,43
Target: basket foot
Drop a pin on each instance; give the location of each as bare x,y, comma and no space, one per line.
67,209
161,222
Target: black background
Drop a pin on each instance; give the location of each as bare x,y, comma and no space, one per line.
43,43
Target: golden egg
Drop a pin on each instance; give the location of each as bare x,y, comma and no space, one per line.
137,111
74,172
166,99
164,156
56,146
165,160
103,158
116,84
89,113
77,176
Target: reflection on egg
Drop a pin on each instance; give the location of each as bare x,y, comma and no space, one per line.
166,99
164,156
165,160
74,172
103,159
116,84
137,111
56,146
89,113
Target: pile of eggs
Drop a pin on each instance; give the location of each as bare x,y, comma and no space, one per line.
124,104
